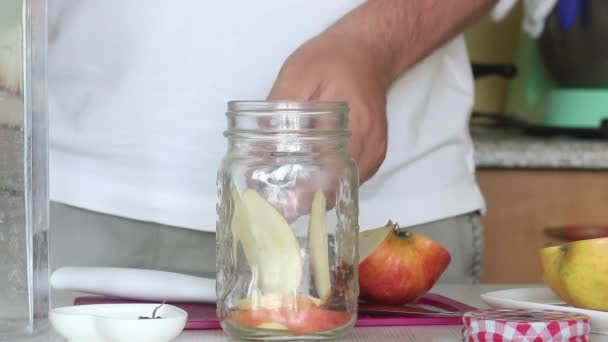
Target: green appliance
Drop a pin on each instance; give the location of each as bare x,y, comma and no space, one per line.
562,79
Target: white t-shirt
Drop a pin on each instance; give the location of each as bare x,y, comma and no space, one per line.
138,91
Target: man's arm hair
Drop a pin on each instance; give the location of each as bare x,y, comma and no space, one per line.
402,32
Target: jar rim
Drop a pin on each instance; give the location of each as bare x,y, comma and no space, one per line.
302,106
276,117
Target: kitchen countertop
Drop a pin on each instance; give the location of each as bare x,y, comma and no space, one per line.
465,293
502,148
494,148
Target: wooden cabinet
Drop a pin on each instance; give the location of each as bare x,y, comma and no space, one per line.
521,203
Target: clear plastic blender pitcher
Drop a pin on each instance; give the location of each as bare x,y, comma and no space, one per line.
24,239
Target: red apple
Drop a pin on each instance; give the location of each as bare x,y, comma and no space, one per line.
398,266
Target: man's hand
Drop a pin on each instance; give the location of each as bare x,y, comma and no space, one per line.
357,59
332,67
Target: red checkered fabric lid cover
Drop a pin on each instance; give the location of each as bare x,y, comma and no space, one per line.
520,325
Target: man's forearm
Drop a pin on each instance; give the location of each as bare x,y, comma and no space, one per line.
401,32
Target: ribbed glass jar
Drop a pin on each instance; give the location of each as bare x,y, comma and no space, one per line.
288,222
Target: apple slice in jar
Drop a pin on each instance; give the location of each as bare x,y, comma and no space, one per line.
300,314
277,301
272,326
273,245
300,321
240,229
318,245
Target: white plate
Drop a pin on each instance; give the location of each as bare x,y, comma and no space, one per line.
544,299
118,322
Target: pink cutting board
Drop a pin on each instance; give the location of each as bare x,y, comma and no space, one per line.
202,316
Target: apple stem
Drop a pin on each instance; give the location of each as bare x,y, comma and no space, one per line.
405,234
156,309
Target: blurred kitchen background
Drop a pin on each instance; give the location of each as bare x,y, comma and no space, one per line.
541,145
540,136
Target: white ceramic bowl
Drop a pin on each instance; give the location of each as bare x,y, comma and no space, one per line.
118,322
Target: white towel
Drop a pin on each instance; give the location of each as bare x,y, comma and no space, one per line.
535,14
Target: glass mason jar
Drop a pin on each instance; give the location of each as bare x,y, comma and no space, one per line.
24,239
288,222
